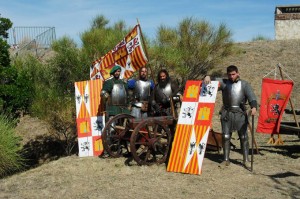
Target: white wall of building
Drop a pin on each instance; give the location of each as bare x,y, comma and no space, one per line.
287,29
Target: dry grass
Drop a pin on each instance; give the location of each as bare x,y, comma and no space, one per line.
276,175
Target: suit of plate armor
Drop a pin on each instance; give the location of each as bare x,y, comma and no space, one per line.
118,95
115,92
162,95
233,114
141,95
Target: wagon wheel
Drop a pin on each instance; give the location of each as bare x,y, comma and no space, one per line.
115,134
150,142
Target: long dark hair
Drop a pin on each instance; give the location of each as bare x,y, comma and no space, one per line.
163,71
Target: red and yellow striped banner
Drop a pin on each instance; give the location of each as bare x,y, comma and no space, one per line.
193,127
89,117
129,54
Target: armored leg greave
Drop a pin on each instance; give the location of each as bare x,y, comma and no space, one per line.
226,146
244,145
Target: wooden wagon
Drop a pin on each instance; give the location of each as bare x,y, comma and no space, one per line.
148,140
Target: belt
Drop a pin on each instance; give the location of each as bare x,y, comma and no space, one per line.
234,109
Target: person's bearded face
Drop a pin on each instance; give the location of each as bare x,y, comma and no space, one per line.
117,74
163,80
143,74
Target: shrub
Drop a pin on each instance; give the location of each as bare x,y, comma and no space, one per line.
59,112
17,91
64,126
260,38
11,160
192,48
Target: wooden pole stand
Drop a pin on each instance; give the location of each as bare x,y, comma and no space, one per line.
271,140
279,140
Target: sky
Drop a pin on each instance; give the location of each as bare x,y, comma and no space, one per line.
246,19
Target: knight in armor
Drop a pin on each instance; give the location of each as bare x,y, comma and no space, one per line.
114,93
165,91
141,90
235,94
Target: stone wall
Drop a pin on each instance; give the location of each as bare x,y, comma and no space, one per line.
287,23
287,29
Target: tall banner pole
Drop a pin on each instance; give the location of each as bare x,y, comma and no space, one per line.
291,103
252,143
250,126
146,51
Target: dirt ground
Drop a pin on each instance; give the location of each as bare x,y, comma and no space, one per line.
276,169
276,175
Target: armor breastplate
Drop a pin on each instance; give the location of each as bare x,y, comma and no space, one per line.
164,93
167,91
233,94
142,90
118,95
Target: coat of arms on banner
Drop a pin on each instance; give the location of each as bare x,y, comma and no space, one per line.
89,117
193,127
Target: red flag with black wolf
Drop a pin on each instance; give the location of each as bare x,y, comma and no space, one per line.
129,54
274,97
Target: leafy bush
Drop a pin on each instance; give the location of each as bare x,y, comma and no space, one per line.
63,123
59,112
65,67
5,25
192,48
17,92
11,160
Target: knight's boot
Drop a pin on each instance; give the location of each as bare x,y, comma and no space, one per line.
226,149
245,151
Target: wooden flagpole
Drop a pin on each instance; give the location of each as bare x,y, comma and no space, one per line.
251,129
252,143
279,141
146,51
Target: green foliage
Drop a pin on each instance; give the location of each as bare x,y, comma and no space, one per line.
4,55
54,99
11,159
59,112
17,91
15,85
99,22
260,38
66,67
5,25
101,38
62,120
192,48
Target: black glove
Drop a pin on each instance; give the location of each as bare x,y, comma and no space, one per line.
156,108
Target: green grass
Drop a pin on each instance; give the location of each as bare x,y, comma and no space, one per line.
260,38
11,160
